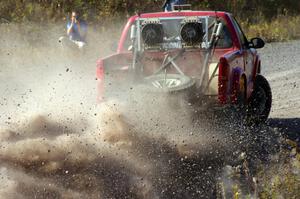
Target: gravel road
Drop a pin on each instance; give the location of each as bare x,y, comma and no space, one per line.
281,66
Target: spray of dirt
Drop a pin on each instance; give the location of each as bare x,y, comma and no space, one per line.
115,160
55,142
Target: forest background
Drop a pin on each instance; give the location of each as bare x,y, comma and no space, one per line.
274,20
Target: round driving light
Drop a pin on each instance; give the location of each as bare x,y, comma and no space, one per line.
192,33
152,34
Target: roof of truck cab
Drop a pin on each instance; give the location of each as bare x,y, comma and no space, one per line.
220,14
183,13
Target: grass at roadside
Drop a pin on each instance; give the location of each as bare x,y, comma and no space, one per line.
277,178
281,179
282,28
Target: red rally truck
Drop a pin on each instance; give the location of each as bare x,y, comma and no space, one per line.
203,52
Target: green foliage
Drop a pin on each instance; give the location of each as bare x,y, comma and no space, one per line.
279,178
282,180
260,18
282,28
19,10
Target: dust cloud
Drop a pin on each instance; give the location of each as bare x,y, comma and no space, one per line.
56,142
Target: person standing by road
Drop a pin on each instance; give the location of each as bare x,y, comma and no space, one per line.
76,30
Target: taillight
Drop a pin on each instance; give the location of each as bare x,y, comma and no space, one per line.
223,80
100,80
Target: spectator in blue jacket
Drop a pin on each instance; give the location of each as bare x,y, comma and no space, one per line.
77,29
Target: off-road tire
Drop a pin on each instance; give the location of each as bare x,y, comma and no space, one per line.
260,102
185,82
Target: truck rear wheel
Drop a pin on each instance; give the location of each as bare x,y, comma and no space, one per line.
260,102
